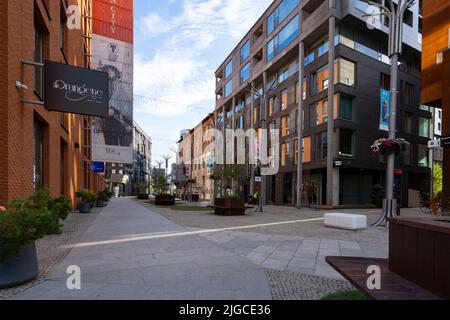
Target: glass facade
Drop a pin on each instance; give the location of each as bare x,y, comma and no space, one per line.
228,88
245,51
229,69
280,13
245,73
283,39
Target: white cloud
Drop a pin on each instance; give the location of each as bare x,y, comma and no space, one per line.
176,76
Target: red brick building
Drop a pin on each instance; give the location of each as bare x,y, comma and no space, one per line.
41,148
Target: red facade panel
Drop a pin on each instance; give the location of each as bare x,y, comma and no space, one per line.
113,19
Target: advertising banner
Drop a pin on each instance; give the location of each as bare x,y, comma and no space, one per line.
112,50
385,109
76,90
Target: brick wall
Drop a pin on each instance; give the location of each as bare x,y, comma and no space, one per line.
17,119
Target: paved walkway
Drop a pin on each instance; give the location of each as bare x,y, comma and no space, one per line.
135,251
130,252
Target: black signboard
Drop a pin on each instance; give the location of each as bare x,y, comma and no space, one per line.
76,90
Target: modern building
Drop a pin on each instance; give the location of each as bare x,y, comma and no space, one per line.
340,98
131,178
436,72
42,148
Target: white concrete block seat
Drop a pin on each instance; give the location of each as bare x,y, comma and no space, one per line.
346,221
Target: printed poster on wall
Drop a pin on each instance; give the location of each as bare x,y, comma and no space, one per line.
112,50
385,109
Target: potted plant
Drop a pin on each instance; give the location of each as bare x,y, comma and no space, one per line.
86,198
24,222
103,198
142,190
387,146
60,207
230,204
161,189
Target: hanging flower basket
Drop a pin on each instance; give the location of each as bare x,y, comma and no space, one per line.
387,146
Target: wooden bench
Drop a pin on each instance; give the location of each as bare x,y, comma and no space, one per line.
393,286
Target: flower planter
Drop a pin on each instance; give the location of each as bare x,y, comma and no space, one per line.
395,149
100,203
225,207
85,207
20,269
143,196
164,200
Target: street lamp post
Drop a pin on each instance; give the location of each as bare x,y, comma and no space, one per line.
395,15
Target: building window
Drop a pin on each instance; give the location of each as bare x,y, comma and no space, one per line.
346,72
229,69
424,127
319,79
319,113
255,114
285,126
316,51
38,155
280,13
39,58
272,106
245,51
322,145
408,122
245,73
346,108
282,39
228,88
285,153
272,128
284,99
423,156
409,93
385,82
241,122
63,168
346,142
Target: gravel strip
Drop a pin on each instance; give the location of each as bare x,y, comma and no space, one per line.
52,250
296,286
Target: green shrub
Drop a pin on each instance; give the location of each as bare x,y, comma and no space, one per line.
42,200
86,196
22,227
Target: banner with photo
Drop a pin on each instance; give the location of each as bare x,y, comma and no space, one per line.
385,109
112,52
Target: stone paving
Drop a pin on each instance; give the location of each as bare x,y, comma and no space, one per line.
134,250
287,285
130,252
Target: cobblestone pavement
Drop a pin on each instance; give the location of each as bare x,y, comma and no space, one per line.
287,285
53,249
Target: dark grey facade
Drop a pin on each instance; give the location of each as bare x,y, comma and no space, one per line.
339,168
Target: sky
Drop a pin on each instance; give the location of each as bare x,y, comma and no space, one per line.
178,46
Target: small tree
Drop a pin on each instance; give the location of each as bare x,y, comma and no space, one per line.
230,172
160,185
437,179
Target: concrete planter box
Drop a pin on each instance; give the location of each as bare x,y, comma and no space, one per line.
143,196
223,207
85,207
20,269
164,200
